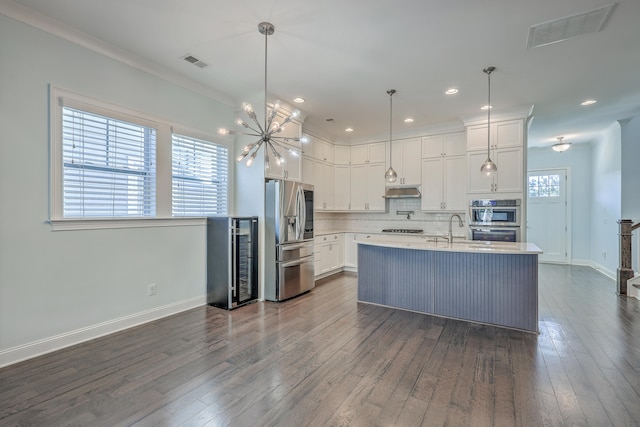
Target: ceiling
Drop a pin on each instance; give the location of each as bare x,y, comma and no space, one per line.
342,57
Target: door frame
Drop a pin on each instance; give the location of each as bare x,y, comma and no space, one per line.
568,198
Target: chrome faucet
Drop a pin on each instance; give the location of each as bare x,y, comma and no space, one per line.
460,224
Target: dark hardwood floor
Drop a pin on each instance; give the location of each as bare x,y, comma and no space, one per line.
323,359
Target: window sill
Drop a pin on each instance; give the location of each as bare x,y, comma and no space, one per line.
98,224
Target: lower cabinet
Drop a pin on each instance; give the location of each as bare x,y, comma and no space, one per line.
350,251
328,251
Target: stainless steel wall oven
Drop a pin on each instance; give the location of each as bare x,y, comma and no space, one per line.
495,220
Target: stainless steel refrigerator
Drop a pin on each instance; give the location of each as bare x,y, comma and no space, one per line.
232,261
288,239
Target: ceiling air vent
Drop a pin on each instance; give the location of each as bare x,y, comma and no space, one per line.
569,27
195,61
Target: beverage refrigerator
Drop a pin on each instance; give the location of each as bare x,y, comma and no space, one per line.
232,261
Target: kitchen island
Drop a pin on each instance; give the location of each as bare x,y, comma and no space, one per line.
487,282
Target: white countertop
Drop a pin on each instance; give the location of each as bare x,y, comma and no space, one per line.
431,244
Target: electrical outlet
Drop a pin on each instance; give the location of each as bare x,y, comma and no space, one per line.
152,289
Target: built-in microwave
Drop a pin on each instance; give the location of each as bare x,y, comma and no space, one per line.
501,212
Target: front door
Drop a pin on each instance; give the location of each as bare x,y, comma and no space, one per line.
547,213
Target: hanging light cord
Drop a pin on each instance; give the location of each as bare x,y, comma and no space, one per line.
488,71
266,124
390,92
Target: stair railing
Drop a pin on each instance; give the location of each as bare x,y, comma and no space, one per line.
625,269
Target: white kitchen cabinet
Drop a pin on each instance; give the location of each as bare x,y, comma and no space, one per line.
323,185
322,150
289,169
455,174
308,170
443,184
509,177
449,144
368,153
307,147
350,251
341,187
341,154
503,134
432,184
329,253
405,158
367,187
444,172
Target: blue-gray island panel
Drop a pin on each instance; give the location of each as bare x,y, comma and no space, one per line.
498,289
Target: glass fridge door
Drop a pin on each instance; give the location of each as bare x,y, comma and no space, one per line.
244,287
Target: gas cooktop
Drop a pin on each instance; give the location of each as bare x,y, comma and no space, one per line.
403,230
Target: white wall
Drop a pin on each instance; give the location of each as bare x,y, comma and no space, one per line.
630,138
606,200
578,160
60,287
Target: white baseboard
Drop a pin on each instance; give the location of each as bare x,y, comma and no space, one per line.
610,274
585,262
57,342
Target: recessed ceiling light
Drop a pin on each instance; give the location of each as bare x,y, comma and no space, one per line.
588,102
298,100
486,107
408,120
451,91
348,130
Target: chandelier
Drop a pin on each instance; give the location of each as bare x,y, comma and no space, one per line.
267,131
488,167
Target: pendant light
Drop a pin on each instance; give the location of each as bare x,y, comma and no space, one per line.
488,167
390,175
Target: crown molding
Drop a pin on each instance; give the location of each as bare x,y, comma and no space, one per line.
521,112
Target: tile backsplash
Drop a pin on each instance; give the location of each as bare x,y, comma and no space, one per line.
430,222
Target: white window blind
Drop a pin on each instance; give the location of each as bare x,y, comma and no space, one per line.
108,167
199,177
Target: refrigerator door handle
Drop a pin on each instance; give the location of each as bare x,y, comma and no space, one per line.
296,262
302,214
294,246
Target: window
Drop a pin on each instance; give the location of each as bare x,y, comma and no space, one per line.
108,167
199,177
544,186
114,167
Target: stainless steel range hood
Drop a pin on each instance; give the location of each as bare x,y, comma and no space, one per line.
402,193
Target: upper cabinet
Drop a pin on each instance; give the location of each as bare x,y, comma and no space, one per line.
449,144
405,158
506,149
322,150
341,155
368,153
503,134
289,168
367,187
444,172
